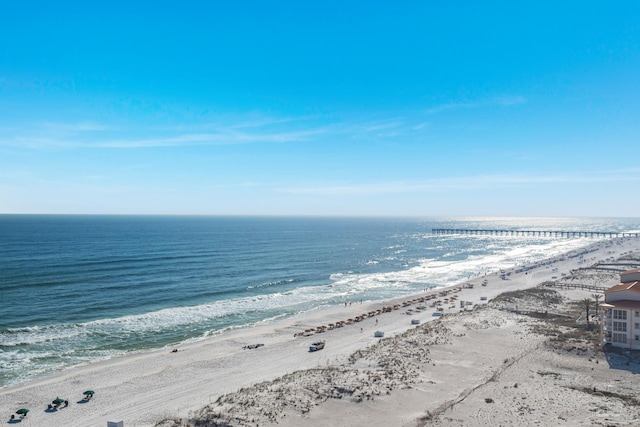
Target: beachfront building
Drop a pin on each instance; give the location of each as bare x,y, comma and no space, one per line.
621,312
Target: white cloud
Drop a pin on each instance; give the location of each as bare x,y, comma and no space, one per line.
74,136
503,100
227,138
74,127
463,183
382,126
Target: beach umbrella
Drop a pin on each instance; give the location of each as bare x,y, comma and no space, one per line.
58,401
22,411
89,393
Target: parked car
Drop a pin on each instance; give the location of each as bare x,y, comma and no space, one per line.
316,346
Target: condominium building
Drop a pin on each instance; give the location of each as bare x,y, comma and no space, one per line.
621,312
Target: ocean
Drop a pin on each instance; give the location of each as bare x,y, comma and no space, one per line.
76,289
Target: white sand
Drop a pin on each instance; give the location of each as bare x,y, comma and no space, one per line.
144,388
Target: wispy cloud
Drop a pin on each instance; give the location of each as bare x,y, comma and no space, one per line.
394,128
226,138
450,106
245,184
463,183
505,101
250,128
385,125
73,127
260,121
95,135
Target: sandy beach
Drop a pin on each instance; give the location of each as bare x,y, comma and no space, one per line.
485,364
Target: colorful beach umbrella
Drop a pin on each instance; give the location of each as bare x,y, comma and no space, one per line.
58,401
22,411
89,393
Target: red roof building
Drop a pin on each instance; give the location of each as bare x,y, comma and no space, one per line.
621,307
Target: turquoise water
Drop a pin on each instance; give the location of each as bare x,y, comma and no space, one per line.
75,289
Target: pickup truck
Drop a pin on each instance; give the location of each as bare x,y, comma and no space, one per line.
316,346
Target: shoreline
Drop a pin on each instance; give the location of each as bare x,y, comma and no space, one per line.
443,283
145,387
437,274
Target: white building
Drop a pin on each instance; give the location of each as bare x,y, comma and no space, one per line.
621,307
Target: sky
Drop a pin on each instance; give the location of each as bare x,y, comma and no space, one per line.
341,108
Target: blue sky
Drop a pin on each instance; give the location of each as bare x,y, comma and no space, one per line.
320,108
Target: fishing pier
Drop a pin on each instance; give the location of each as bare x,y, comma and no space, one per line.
535,233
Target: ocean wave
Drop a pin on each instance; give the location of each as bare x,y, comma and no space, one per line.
270,284
165,299
343,286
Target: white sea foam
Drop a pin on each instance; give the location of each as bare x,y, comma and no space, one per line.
33,345
344,286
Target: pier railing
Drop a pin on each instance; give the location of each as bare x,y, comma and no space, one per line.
535,233
584,287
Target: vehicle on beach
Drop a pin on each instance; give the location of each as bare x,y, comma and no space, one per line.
316,346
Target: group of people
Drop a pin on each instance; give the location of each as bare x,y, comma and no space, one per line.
252,346
58,403
55,405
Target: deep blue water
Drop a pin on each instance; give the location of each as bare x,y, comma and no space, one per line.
81,288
